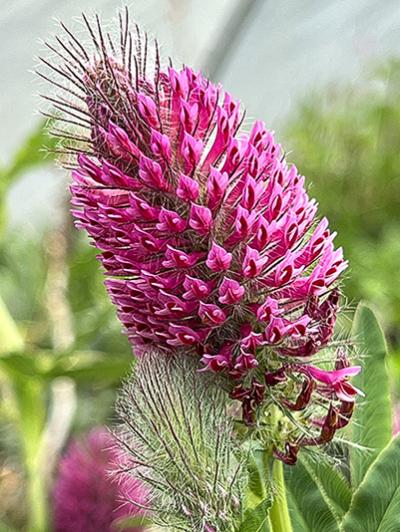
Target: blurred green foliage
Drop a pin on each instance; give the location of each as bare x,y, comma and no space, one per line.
56,322
33,152
347,142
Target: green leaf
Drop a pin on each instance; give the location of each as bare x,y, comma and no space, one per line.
311,509
30,154
372,420
376,503
81,366
10,338
19,365
256,519
333,486
86,366
29,396
6,528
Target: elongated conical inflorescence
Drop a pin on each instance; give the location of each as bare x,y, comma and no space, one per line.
208,238
178,435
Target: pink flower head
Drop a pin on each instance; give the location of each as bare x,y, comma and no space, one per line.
86,497
185,206
182,194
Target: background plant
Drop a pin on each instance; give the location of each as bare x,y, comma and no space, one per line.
345,139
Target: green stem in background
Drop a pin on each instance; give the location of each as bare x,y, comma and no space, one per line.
31,403
279,513
31,407
36,498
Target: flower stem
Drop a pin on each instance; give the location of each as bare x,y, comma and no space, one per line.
279,513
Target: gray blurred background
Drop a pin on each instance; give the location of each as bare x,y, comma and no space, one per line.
267,53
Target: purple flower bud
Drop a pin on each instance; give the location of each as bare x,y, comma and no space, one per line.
289,456
230,292
272,378
218,259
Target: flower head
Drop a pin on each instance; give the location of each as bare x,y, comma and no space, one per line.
86,497
208,238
